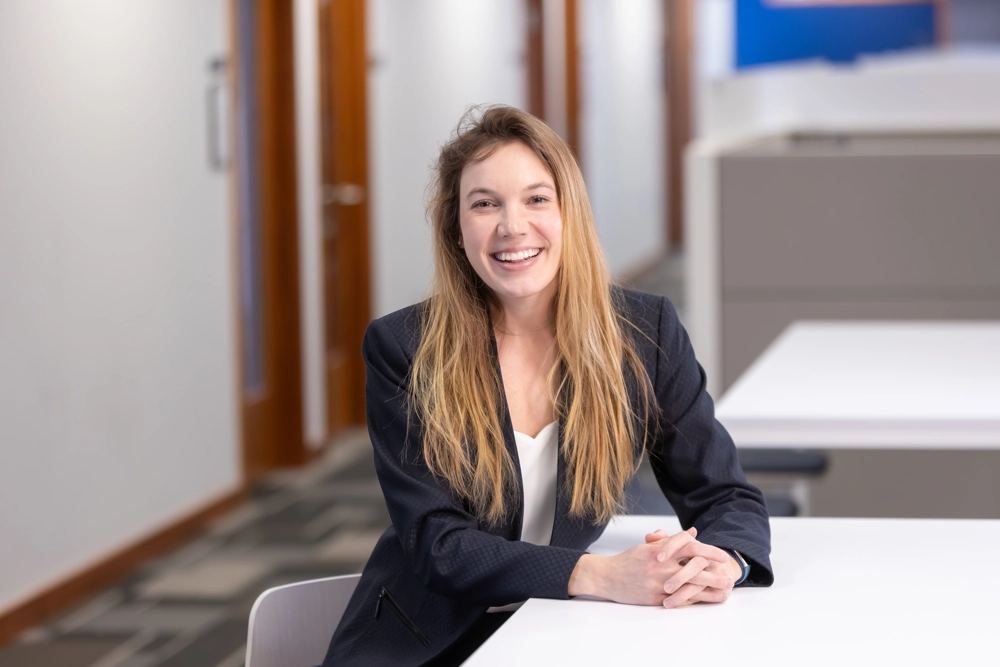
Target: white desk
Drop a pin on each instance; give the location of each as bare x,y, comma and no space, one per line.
871,385
846,592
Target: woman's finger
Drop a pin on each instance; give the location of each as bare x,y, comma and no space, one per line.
706,551
684,575
682,546
657,535
683,596
710,579
713,595
674,544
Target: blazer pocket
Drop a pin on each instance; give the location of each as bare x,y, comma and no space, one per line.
387,598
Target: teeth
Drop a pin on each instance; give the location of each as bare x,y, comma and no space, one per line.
516,256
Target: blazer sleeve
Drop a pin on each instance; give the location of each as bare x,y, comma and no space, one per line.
695,461
442,542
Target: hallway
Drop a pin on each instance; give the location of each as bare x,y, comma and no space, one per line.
190,609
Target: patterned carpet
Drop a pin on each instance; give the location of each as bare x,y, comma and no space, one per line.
190,609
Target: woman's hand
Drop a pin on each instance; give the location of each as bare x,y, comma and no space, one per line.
637,576
704,576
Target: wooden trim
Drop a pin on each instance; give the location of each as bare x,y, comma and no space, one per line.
572,79
60,596
536,57
351,157
679,19
279,220
345,161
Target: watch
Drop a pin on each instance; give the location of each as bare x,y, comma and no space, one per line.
738,557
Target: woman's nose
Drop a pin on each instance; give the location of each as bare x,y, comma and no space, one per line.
512,223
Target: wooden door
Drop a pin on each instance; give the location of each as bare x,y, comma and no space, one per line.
270,331
679,15
343,101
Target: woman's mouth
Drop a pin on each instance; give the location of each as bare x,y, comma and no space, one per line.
518,257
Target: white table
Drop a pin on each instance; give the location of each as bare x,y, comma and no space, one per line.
871,385
847,592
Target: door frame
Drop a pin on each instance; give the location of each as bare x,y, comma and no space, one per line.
271,415
343,92
563,71
677,31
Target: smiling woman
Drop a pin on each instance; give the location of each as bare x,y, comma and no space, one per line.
508,412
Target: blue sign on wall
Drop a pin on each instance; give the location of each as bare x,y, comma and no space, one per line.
769,33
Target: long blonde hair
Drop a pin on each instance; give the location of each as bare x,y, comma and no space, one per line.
455,390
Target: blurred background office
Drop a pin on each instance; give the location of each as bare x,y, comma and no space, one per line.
204,202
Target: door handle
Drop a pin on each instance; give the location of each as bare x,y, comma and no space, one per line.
344,194
218,154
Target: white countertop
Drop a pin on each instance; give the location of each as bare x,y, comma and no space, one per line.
847,592
886,385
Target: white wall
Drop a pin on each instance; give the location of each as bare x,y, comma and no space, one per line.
311,280
118,394
623,128
431,59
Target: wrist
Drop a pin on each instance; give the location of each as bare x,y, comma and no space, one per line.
586,576
735,569
738,567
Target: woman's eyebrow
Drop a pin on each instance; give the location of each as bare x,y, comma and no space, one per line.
487,191
478,191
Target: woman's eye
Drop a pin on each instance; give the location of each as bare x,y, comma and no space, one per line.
483,203
538,199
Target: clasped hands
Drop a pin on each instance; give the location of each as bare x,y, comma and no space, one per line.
700,572
669,570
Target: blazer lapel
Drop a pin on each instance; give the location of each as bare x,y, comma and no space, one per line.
561,526
517,519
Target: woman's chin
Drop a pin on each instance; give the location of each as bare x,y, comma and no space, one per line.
507,290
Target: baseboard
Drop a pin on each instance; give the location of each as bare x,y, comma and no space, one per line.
75,588
316,450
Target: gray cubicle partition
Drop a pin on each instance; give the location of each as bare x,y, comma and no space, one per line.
856,227
865,227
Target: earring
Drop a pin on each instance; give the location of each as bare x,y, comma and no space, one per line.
461,243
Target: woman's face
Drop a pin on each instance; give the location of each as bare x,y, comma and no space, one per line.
510,223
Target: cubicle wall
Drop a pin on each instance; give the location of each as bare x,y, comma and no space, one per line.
864,227
856,227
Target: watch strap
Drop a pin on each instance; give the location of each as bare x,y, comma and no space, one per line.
744,565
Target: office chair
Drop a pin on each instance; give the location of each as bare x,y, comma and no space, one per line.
291,626
783,475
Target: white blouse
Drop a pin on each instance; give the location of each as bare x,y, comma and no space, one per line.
539,457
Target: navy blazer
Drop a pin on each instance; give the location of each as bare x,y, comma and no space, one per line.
434,573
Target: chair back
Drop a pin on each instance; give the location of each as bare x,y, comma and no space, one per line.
291,626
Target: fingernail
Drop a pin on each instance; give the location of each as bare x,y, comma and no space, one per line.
669,604
661,556
668,588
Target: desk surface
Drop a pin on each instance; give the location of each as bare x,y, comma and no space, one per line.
846,592
884,385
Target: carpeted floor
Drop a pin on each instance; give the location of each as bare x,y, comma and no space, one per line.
190,609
